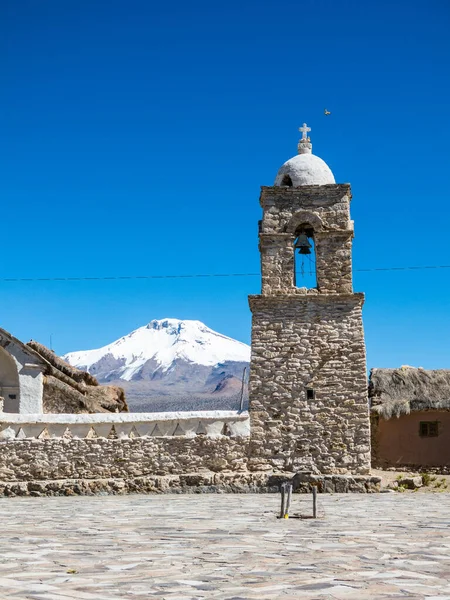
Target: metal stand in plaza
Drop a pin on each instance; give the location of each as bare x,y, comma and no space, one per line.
286,496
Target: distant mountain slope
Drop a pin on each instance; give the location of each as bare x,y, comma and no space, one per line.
170,363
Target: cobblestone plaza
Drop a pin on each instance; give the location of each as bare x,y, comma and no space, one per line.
225,546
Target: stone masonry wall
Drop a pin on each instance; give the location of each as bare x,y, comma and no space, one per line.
67,466
326,210
334,262
40,459
301,342
308,339
114,453
278,254
328,203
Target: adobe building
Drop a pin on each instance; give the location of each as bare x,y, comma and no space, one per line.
308,382
21,376
33,380
410,415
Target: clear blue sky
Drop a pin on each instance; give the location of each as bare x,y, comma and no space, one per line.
135,136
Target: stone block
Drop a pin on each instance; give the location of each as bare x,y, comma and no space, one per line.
411,482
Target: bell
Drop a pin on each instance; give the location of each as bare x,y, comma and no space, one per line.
303,245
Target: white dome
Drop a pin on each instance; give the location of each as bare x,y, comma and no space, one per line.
304,169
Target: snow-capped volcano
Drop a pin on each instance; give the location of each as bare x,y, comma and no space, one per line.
163,341
168,357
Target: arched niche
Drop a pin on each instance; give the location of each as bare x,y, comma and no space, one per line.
9,382
286,181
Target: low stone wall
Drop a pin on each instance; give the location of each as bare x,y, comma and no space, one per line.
125,453
193,483
64,458
340,484
49,448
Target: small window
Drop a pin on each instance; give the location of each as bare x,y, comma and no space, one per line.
428,429
310,394
12,396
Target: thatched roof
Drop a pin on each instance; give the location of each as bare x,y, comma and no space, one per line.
395,392
58,363
69,390
59,397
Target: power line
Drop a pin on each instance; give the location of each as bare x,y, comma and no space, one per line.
198,275
116,278
402,268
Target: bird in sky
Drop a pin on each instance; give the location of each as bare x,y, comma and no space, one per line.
327,112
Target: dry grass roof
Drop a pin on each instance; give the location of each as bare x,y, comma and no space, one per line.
68,389
395,392
60,397
77,375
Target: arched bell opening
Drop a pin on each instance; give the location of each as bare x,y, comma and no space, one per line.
305,274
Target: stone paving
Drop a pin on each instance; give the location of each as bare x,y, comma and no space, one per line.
182,547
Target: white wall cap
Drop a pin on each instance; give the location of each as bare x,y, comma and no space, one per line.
61,418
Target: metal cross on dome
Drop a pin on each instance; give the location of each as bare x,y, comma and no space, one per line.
304,129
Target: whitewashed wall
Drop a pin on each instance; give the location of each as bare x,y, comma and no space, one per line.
124,425
26,383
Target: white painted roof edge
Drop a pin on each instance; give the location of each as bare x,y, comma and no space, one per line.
50,418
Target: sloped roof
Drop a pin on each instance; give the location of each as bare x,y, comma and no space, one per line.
68,389
82,377
395,392
7,338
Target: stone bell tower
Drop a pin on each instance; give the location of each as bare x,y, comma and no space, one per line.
308,381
